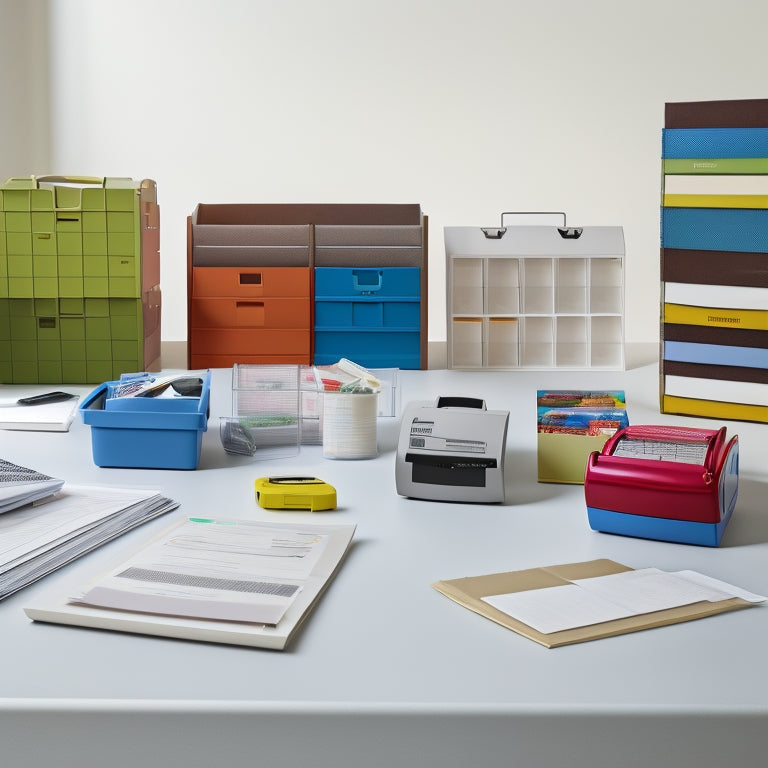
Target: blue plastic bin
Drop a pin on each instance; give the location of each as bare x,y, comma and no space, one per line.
149,433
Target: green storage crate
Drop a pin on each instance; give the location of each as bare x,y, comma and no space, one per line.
79,279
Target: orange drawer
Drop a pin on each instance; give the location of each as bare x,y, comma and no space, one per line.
247,341
227,361
249,282
249,313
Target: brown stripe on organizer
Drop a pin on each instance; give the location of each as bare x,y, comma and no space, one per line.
247,235
361,256
704,334
724,372
735,113
389,235
349,214
679,265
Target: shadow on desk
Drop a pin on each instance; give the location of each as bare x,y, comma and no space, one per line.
749,524
521,483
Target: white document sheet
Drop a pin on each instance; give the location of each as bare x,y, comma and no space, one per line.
604,598
230,570
20,485
38,538
27,531
49,417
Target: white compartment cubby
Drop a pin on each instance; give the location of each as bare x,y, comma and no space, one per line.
538,286
502,286
571,285
466,345
607,341
503,349
606,286
571,341
467,280
537,344
535,311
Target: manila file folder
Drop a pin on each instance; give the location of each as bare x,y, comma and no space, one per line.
469,592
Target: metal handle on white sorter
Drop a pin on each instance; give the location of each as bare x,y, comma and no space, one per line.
496,233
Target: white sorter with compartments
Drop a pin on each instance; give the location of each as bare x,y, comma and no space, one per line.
535,296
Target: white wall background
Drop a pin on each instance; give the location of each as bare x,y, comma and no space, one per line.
466,107
24,96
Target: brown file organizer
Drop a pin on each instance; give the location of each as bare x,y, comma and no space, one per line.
250,283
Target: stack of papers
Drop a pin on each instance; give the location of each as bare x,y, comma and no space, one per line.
39,538
242,582
20,486
48,417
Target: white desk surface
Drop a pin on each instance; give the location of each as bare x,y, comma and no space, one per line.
386,671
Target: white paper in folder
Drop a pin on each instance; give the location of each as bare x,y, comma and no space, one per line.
214,569
605,598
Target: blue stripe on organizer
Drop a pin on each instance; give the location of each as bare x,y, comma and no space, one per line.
709,143
658,528
715,354
715,229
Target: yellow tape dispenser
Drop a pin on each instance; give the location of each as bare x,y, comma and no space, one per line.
285,492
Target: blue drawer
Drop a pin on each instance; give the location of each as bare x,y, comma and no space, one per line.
154,433
371,349
711,143
715,229
340,315
376,283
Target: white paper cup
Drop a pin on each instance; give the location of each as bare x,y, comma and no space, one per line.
349,425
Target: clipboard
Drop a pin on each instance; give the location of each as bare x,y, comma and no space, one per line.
469,592
189,627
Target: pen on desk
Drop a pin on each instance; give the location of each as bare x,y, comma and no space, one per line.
47,397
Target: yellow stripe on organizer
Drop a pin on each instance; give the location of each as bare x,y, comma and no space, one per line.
715,201
716,317
713,409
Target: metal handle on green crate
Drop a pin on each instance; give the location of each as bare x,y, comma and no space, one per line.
71,180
